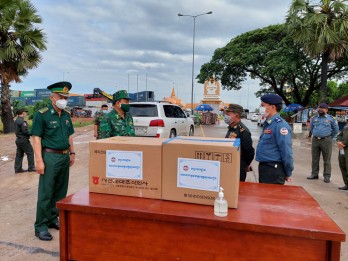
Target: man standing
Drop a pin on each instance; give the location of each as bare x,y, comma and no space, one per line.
236,129
120,120
100,121
342,142
323,128
23,143
54,153
274,150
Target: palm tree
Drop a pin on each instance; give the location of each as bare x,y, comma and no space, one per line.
20,46
322,30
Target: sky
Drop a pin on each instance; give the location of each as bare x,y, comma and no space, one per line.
118,44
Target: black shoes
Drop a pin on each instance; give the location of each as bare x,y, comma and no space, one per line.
343,188
20,171
44,235
312,177
32,170
327,179
54,225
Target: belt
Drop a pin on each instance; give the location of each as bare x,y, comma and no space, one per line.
271,164
322,138
56,151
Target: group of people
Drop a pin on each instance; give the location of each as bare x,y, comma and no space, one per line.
54,152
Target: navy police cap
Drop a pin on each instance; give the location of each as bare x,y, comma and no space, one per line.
272,99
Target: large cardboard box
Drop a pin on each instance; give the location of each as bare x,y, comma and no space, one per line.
129,166
190,169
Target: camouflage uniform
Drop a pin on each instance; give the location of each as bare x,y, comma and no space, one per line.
120,126
103,126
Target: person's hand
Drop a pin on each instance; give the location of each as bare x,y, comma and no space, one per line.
40,167
340,144
95,135
288,179
72,159
249,168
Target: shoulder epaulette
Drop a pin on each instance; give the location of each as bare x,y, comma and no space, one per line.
278,119
43,110
67,111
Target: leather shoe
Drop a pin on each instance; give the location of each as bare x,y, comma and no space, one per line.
32,170
343,188
312,177
44,235
20,171
326,179
54,225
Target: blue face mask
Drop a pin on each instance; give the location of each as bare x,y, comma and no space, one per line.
227,120
105,112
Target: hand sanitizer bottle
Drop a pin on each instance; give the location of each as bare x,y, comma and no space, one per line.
221,205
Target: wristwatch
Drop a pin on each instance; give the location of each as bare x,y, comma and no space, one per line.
72,153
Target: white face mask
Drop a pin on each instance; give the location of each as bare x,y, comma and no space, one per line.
61,104
263,112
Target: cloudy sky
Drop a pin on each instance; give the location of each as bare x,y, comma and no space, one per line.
102,43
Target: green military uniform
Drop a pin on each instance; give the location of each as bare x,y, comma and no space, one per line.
343,159
103,125
23,144
54,131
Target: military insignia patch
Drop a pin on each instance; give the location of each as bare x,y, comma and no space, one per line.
284,131
233,135
65,89
267,131
24,124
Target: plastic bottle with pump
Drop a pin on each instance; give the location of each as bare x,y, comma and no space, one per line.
221,205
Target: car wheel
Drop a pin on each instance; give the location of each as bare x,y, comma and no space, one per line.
192,131
172,134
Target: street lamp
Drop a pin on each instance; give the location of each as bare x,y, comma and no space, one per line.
193,50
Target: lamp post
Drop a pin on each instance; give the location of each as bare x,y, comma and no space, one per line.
193,50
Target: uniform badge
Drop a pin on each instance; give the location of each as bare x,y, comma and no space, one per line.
267,131
233,135
284,131
24,124
66,122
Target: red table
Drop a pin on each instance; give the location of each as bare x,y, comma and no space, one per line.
272,222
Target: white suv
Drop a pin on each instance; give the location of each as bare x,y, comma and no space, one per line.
160,119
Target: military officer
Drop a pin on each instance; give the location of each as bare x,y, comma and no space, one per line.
323,127
120,120
100,121
342,142
274,150
54,152
23,143
236,129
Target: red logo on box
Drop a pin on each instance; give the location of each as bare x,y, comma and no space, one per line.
95,180
186,168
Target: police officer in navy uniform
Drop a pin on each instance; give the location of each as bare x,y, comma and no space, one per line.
23,143
54,152
323,128
274,150
236,129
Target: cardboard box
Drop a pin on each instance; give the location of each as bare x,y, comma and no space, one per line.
191,163
133,169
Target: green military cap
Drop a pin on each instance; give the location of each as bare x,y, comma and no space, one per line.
235,108
122,94
62,88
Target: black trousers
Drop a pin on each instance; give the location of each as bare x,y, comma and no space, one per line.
243,173
24,146
271,173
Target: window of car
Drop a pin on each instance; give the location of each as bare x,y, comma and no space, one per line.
143,110
178,112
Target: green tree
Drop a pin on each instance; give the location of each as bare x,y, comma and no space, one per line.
270,55
20,46
322,29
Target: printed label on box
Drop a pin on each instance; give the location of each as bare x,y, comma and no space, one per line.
124,164
199,174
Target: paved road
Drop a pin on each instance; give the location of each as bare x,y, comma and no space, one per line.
18,193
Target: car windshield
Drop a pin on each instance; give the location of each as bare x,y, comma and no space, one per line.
143,110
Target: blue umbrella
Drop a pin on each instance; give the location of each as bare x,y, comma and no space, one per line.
293,107
204,107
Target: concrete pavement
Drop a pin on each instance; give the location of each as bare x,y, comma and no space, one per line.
18,193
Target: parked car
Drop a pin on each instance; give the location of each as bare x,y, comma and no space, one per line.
260,120
255,116
160,119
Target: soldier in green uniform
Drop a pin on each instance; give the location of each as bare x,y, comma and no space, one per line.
23,143
54,153
120,120
101,131
236,129
342,142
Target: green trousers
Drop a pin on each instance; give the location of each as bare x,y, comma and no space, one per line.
24,146
53,186
323,146
343,162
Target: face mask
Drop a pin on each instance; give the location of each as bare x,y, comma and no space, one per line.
61,104
105,112
263,112
321,112
125,107
228,120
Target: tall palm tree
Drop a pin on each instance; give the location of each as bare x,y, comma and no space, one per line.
322,29
20,46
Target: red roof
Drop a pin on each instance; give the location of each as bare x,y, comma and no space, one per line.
343,101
